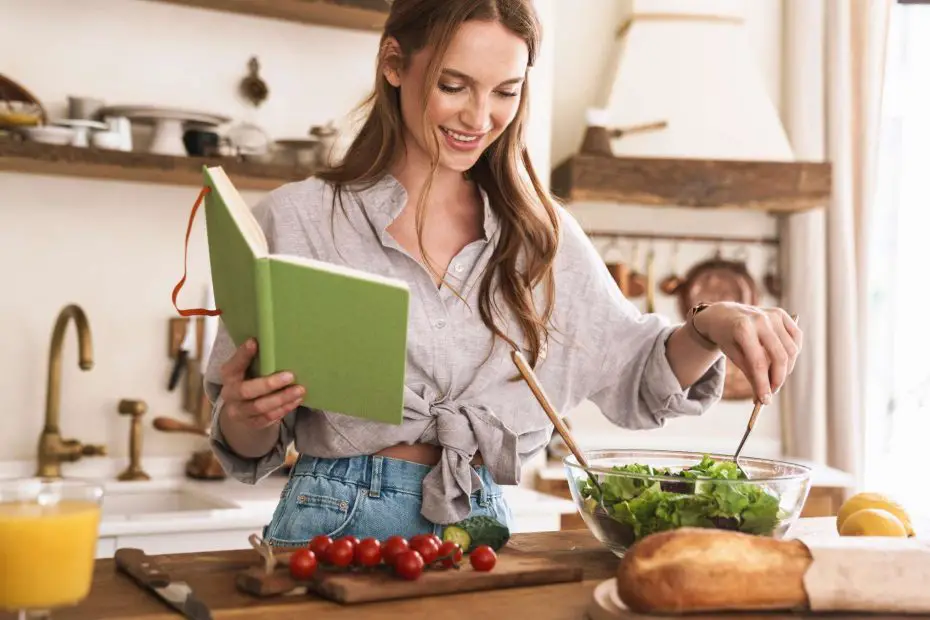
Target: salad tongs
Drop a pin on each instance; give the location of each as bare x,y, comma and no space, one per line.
530,377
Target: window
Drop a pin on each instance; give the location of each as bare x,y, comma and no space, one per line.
898,368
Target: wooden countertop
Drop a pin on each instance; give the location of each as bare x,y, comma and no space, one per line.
212,577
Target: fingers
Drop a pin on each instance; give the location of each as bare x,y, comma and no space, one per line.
261,386
790,336
755,362
791,327
235,367
767,347
258,402
777,355
266,410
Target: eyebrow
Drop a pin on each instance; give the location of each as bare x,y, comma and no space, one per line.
468,78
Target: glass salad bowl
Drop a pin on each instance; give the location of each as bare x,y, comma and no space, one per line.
640,492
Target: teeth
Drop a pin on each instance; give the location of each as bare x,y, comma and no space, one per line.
460,137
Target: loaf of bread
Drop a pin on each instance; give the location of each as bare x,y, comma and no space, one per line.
697,570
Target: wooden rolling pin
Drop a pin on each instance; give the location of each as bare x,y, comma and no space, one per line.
170,425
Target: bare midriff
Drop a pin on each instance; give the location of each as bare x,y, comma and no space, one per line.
422,453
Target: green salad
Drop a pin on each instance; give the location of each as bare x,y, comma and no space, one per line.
693,499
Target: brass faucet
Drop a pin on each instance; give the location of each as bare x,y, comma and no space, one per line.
53,450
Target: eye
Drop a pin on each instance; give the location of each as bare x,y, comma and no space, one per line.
446,88
507,93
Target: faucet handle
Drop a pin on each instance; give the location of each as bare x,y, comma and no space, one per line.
128,406
93,450
136,409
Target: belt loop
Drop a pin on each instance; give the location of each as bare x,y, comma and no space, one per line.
374,487
483,496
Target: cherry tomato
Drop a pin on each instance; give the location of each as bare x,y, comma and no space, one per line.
450,554
368,552
392,547
427,549
414,540
340,553
483,558
436,539
351,539
302,564
320,544
409,565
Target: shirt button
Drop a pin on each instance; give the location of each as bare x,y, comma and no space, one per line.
459,268
440,323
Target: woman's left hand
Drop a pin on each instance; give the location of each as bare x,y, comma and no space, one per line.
763,342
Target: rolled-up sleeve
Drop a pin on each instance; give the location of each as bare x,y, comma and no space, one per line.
630,380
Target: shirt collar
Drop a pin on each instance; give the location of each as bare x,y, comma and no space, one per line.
385,199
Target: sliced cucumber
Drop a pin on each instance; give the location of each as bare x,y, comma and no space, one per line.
458,536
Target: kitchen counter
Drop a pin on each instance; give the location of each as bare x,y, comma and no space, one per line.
211,576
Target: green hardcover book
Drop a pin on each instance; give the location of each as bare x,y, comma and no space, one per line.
341,331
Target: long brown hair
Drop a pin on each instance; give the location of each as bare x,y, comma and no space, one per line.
529,223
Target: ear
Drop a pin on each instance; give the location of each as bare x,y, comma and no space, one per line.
391,61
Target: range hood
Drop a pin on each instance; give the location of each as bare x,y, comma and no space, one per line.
690,65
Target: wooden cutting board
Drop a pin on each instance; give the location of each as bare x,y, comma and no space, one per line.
381,584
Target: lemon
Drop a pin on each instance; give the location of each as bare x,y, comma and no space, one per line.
873,522
873,500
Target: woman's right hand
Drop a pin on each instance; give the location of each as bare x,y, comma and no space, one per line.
256,403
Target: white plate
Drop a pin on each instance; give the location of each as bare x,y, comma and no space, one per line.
146,113
79,123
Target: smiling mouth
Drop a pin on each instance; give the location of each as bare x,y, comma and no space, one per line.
462,137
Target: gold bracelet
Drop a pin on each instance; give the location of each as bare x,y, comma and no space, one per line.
701,339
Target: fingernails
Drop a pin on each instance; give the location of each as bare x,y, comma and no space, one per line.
297,391
767,399
285,377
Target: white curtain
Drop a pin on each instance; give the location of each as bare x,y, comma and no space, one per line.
833,84
898,376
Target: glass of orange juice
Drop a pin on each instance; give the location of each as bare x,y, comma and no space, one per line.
48,541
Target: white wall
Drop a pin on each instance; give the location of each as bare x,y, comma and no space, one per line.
116,248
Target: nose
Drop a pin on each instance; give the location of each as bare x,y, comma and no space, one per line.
477,114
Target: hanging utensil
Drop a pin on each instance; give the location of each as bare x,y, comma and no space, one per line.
772,279
752,422
670,283
637,280
650,282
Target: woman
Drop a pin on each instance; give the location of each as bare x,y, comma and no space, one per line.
437,189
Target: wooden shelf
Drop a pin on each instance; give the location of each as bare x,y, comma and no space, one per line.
88,163
778,187
351,14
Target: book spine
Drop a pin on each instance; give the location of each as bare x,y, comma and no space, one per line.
266,353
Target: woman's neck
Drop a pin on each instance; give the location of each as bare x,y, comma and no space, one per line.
447,191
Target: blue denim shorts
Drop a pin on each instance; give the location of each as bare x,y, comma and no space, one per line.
364,496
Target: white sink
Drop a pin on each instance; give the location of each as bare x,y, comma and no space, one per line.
158,498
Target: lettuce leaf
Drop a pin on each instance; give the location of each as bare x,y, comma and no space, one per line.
698,501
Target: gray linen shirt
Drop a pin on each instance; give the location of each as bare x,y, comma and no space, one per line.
604,350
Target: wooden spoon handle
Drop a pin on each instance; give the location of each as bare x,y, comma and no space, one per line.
170,425
530,377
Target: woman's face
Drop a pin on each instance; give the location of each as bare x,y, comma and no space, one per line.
477,96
